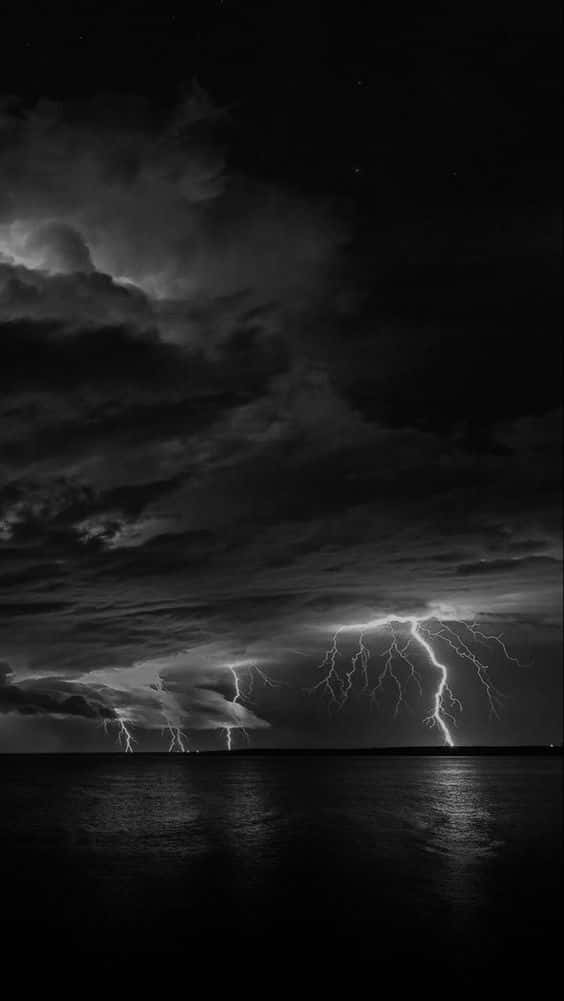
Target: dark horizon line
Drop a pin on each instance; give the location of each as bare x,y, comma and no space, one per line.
465,749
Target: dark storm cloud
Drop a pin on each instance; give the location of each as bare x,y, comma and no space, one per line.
32,699
513,566
152,206
212,450
56,248
72,300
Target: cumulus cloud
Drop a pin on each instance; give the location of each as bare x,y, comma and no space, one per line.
178,692
151,207
52,247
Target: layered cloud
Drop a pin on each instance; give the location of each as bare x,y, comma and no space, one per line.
50,696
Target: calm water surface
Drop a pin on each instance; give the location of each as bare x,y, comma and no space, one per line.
407,853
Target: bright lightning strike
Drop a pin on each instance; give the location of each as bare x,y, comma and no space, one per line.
244,686
337,685
438,715
331,682
178,740
125,737
228,739
236,700
237,683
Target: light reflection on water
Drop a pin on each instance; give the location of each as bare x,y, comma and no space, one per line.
244,841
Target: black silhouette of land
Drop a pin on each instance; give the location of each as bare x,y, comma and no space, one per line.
527,750
465,750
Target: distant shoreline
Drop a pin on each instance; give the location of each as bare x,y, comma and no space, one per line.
448,752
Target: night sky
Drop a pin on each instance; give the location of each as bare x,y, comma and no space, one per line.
280,354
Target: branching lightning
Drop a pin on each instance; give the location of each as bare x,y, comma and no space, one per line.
462,650
425,631
125,737
145,679
343,673
236,700
244,686
331,681
178,740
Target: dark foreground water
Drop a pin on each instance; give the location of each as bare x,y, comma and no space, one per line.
417,863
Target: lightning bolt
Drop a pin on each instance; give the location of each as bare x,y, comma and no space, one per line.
477,633
149,681
178,740
237,683
437,717
237,699
424,631
244,687
125,738
331,681
266,680
227,731
456,643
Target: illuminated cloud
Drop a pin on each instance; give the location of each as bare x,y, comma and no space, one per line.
171,694
51,697
152,209
53,247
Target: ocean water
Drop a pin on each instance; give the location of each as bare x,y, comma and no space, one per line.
449,861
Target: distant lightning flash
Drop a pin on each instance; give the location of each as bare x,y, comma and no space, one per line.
337,686
238,694
439,712
147,680
331,681
236,700
125,738
178,740
228,741
244,691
